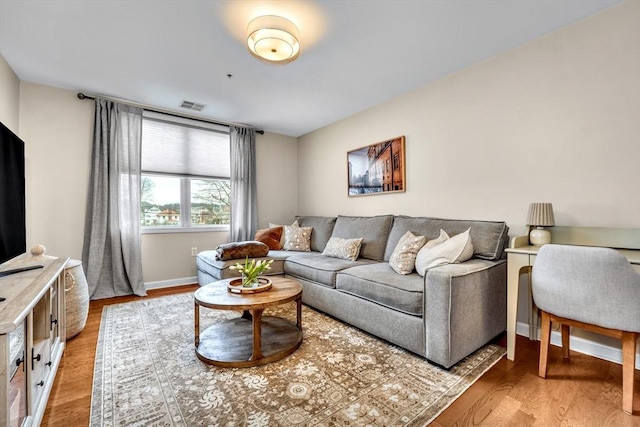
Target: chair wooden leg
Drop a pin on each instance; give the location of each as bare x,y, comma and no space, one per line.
628,368
545,336
565,340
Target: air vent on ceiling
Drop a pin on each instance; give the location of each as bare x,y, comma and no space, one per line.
189,105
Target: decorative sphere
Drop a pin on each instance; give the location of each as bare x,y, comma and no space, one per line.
38,250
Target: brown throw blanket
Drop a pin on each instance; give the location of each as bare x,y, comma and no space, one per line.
251,249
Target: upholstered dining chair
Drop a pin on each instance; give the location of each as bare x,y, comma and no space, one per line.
591,288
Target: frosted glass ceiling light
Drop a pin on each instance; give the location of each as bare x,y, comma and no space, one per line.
273,39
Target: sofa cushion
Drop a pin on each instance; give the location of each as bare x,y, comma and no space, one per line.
374,231
322,229
380,284
403,258
270,237
489,237
455,250
318,268
207,264
297,238
338,247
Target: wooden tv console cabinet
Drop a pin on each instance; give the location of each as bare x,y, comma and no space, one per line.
32,337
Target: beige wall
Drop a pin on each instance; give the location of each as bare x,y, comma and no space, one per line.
57,129
277,179
9,96
556,120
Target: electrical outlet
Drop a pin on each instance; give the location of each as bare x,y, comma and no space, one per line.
194,251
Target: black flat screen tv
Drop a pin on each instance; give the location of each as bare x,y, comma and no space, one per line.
13,240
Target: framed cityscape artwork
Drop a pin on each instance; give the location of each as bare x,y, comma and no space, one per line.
377,168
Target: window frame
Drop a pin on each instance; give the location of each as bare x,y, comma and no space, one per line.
185,183
185,210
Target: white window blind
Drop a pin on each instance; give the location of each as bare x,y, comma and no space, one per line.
184,147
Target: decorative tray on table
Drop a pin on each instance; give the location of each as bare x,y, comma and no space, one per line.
235,286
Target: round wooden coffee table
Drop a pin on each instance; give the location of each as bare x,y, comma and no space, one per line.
251,339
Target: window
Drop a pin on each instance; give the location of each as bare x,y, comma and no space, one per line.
185,174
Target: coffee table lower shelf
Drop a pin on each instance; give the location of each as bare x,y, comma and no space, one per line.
230,343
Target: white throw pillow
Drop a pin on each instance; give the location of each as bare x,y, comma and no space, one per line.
456,249
403,258
422,253
343,248
297,238
443,237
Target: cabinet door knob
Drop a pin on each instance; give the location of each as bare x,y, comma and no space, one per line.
41,383
34,358
48,363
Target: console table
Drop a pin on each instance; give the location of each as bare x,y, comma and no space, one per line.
32,337
521,257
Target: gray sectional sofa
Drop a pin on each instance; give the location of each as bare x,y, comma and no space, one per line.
444,316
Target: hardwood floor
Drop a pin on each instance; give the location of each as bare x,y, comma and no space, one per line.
583,391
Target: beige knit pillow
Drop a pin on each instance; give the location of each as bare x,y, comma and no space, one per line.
403,258
343,248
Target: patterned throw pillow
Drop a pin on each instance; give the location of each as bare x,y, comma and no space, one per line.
403,258
271,225
270,237
338,247
297,238
454,250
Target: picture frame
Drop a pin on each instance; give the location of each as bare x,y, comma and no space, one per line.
377,168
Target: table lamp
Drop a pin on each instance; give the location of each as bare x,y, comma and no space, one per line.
540,216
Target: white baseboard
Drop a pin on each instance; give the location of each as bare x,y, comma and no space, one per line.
581,345
171,283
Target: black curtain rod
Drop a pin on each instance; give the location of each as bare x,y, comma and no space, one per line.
83,96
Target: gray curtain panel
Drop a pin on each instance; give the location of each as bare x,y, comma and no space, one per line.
112,254
244,210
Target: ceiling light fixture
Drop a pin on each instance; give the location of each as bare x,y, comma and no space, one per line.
273,39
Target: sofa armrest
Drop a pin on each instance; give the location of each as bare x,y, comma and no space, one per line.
465,306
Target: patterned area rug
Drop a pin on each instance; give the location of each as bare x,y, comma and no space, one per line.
146,373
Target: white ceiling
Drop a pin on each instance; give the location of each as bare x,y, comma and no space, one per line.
355,53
